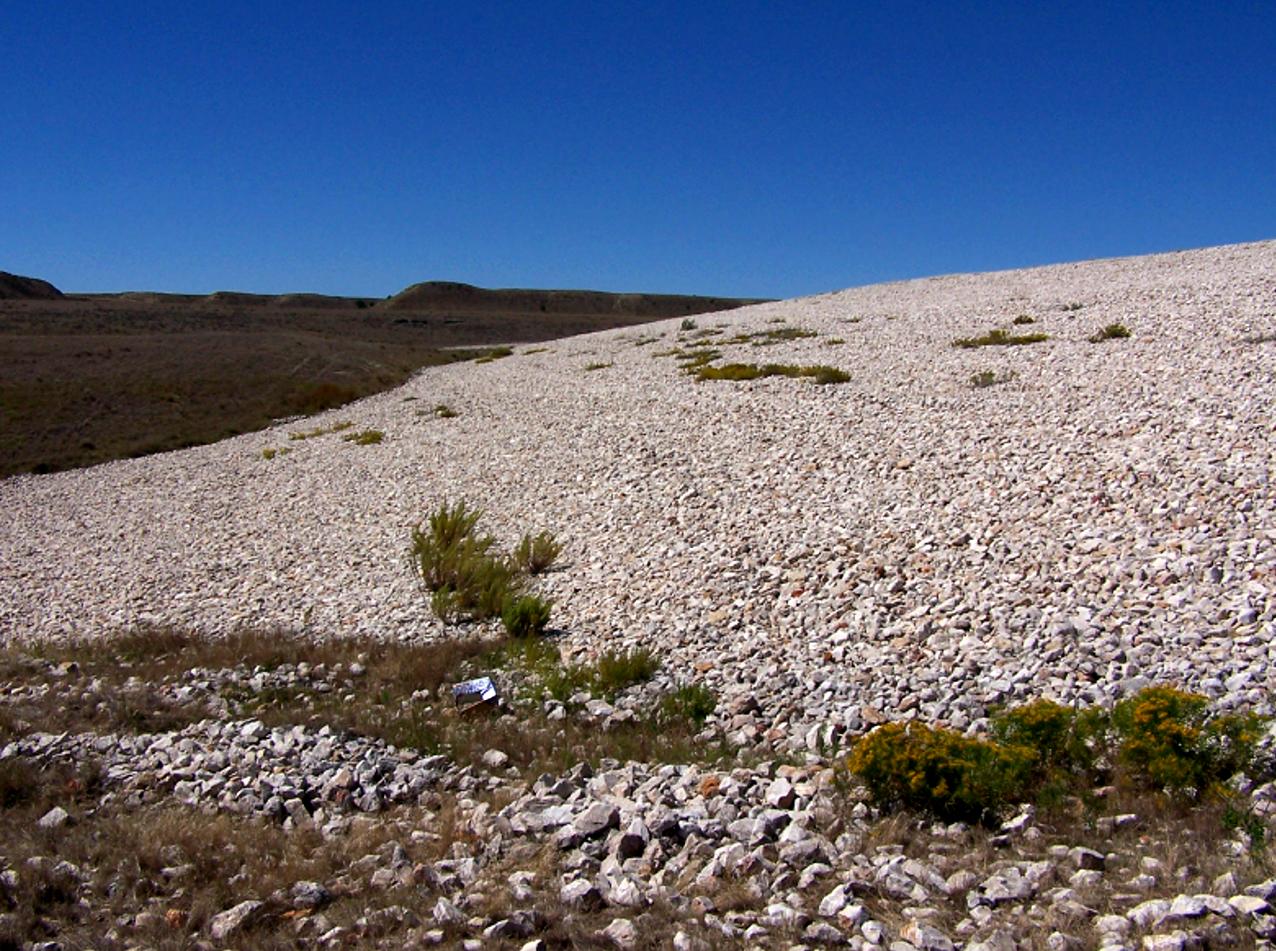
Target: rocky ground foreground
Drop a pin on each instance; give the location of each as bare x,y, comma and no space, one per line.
952,528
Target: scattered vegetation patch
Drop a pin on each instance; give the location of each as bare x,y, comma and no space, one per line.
834,342
366,437
270,452
320,431
986,378
999,338
1023,319
528,352
737,372
443,411
1160,740
1110,332
493,354
589,367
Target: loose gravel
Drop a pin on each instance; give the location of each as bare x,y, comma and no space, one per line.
905,544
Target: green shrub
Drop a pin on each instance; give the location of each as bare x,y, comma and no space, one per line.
983,379
368,437
688,323
1057,738
493,354
590,367
535,553
1169,741
1110,332
940,771
1024,319
616,670
690,703
525,616
443,411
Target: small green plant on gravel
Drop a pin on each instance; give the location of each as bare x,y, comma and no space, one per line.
535,554
529,352
590,367
688,323
834,342
984,378
525,616
367,437
616,670
1110,332
689,703
1073,307
443,411
999,338
1024,319
940,771
271,452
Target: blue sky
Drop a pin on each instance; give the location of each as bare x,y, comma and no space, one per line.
752,149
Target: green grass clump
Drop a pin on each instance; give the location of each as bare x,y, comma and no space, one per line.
525,616
999,338
688,323
443,411
589,367
493,354
616,670
690,703
534,554
1110,332
368,437
271,452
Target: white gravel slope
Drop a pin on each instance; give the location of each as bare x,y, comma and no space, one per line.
904,542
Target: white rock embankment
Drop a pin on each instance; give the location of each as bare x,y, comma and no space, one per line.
904,544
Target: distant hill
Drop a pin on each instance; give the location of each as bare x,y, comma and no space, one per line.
17,287
454,298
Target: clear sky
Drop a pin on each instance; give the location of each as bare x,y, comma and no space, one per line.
746,148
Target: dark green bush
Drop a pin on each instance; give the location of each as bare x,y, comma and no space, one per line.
616,670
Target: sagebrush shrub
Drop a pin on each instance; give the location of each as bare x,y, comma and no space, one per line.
536,553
